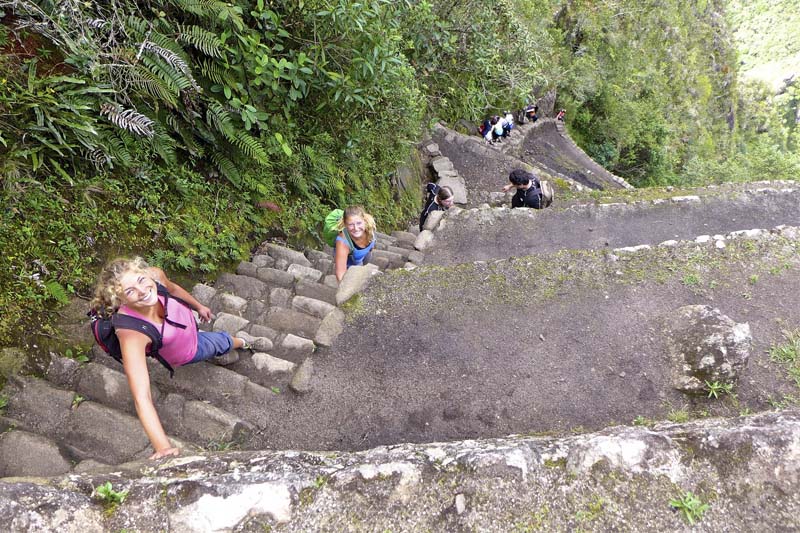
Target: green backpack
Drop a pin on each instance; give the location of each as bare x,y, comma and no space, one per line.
331,229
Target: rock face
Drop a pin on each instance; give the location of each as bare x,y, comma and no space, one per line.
620,479
705,346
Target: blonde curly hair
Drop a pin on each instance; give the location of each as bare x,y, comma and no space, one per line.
108,289
358,211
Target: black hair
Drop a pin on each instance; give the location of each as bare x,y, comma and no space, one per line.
520,177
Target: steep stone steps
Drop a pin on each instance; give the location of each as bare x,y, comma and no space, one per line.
493,233
484,168
545,342
82,429
282,301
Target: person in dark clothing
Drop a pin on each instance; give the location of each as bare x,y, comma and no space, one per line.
529,192
439,199
532,112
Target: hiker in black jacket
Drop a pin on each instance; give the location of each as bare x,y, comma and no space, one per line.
439,199
529,192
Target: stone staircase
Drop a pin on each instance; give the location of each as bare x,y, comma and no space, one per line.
495,322
80,416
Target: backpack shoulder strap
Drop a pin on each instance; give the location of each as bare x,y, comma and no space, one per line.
123,321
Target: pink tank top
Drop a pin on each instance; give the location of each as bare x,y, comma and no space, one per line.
179,345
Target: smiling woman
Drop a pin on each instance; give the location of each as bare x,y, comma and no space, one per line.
355,241
131,287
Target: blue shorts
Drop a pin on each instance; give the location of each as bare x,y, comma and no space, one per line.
211,344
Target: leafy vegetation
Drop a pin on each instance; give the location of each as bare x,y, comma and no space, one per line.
691,507
715,388
788,354
187,130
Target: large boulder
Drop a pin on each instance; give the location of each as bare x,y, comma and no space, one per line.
705,346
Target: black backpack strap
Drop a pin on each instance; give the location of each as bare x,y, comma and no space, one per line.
122,321
162,291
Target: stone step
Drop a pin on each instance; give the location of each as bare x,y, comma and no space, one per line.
86,429
23,453
197,422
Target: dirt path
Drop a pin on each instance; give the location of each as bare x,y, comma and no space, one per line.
491,234
534,345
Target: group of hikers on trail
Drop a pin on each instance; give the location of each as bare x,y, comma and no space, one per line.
138,312
494,129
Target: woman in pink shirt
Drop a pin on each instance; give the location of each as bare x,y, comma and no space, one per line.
129,287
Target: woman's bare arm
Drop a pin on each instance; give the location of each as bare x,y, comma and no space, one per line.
134,361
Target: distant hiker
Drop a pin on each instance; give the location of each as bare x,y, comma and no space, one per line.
497,129
485,129
130,288
532,112
355,241
530,191
509,124
560,115
439,199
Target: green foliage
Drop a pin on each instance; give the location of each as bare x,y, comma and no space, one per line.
691,507
715,388
3,403
788,354
108,495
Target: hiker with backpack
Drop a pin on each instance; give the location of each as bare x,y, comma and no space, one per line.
438,199
355,239
531,192
138,312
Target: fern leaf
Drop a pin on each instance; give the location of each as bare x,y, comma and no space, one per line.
214,72
205,41
226,167
176,62
128,119
56,292
251,147
219,118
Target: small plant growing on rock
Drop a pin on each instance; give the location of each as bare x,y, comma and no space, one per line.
789,351
643,421
678,416
3,403
715,388
690,506
110,497
76,354
691,280
77,400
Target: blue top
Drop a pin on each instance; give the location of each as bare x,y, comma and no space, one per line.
357,255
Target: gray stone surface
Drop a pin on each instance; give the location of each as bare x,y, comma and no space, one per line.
275,277
394,260
204,294
256,308
705,346
290,321
331,281
313,307
63,371
109,387
354,281
263,260
331,327
305,273
441,164
37,404
620,479
247,268
230,303
230,323
424,240
201,381
379,261
288,255
243,286
296,347
268,363
456,184
303,376
416,257
260,330
105,434
280,297
318,291
205,423
28,454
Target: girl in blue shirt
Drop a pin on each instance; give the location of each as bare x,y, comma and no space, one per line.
355,240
